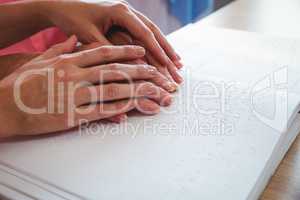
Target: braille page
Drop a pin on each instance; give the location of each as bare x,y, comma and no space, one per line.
219,139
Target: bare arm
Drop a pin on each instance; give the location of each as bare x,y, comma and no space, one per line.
10,63
20,20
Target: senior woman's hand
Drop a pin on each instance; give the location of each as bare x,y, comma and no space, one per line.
91,21
58,89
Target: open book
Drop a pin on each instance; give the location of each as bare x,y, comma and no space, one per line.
231,123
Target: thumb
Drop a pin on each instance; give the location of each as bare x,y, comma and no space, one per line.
120,38
67,46
92,34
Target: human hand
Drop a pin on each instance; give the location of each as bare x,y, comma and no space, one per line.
91,22
61,88
117,36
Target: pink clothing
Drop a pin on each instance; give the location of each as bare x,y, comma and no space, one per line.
39,42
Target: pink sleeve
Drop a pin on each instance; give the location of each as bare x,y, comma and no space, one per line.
39,42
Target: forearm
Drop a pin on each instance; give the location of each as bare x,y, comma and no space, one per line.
10,122
20,20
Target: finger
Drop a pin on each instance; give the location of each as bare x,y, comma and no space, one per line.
91,34
178,64
141,32
160,37
120,38
139,61
153,62
170,72
147,106
104,110
175,74
88,46
160,79
118,91
107,110
106,54
118,118
127,72
65,47
118,72
157,33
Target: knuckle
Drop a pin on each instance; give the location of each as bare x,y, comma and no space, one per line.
111,90
142,69
124,2
139,87
62,75
83,55
106,52
153,27
148,33
147,86
152,68
62,61
113,66
129,49
68,77
121,6
120,106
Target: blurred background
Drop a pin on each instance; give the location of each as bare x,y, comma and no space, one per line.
170,15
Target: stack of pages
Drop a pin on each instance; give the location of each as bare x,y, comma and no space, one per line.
232,121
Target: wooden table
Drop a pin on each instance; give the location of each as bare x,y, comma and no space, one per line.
275,17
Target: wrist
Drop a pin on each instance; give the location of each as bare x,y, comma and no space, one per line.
9,118
10,63
47,10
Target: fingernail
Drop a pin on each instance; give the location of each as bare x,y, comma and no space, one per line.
179,79
140,51
123,118
168,61
153,109
178,57
73,37
170,87
167,101
152,70
178,64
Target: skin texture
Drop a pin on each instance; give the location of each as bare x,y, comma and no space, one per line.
111,99
90,22
116,36
105,23
119,36
9,63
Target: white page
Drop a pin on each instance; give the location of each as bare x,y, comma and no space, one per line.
168,156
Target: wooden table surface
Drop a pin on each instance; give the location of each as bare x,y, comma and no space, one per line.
275,17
